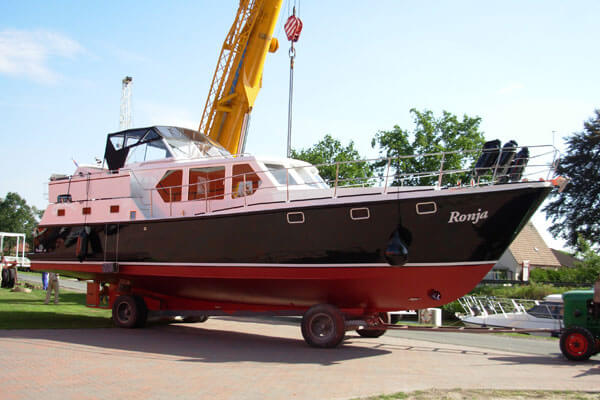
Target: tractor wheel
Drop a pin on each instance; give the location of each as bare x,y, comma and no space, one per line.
323,326
5,277
375,332
11,280
577,343
128,312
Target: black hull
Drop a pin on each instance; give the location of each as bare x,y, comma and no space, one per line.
328,236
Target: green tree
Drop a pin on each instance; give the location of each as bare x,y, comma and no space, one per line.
576,211
585,272
331,151
430,135
589,267
18,217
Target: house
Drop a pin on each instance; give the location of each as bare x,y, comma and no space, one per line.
565,259
526,252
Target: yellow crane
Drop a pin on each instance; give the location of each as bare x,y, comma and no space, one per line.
238,75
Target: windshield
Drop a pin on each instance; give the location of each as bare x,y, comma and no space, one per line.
281,175
189,144
310,176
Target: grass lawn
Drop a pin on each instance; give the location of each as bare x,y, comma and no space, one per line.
27,311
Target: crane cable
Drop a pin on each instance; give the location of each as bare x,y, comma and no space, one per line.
292,27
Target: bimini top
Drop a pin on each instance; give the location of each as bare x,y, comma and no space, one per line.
157,143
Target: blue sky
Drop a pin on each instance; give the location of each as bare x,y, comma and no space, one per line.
528,68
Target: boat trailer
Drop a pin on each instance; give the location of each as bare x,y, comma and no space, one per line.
380,324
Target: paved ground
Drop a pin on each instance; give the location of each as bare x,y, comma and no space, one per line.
234,359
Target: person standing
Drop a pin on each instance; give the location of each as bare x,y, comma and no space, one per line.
52,285
45,280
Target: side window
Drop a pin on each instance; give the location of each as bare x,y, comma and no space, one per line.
244,181
169,187
207,183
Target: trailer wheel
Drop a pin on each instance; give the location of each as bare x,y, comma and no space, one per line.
577,343
143,309
323,326
127,312
375,332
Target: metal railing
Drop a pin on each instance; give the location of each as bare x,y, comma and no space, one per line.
381,174
486,306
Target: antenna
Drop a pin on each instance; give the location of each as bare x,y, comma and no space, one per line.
125,118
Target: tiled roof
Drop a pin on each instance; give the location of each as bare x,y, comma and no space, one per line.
529,245
566,260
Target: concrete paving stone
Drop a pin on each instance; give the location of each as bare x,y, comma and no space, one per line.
249,359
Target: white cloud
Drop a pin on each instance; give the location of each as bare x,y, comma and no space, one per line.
26,53
511,87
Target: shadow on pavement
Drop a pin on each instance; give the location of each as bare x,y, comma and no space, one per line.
555,359
195,344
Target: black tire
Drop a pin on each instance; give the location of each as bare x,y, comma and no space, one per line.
323,326
141,322
375,332
577,343
12,278
127,312
195,319
5,278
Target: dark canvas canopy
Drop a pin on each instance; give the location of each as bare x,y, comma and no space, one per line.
156,143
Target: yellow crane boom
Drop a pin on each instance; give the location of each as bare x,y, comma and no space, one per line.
237,78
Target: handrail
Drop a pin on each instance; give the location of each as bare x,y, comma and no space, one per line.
542,159
382,181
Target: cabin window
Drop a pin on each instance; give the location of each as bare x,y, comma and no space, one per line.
169,187
207,183
114,209
63,198
281,174
86,210
60,212
244,181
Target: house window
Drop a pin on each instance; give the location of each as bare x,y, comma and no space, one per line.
207,183
169,187
244,181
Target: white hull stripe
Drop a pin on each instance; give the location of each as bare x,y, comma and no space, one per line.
258,265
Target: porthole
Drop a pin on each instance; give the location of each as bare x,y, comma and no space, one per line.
360,213
426,208
295,217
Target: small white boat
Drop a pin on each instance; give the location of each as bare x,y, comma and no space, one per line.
513,313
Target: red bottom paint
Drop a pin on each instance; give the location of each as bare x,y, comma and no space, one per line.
231,289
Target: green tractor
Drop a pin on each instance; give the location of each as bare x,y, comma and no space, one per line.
580,338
